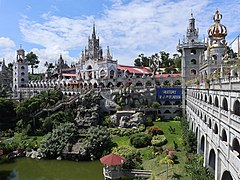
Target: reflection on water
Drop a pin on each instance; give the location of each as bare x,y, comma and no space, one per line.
28,169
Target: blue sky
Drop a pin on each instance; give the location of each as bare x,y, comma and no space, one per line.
53,27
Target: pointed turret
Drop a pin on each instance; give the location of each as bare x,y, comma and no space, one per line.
108,55
192,32
94,32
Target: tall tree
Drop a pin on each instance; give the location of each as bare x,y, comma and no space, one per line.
142,60
166,61
32,60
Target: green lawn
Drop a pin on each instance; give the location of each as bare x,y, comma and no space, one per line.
178,168
147,152
121,141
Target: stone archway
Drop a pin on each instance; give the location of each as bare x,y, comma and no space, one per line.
212,159
202,145
236,108
224,135
225,104
236,147
227,176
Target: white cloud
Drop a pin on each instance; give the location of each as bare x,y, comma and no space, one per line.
6,42
129,28
7,49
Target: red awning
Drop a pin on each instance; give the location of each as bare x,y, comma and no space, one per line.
112,160
134,69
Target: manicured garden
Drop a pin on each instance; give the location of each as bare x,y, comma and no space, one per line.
175,158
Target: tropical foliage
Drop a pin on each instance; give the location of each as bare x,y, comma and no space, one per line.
195,170
7,112
98,141
55,141
133,156
32,60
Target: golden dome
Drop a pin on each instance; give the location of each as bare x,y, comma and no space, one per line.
217,29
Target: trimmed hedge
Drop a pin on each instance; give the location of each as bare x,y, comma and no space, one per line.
140,140
159,140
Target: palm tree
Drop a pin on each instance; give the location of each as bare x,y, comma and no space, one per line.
32,60
167,161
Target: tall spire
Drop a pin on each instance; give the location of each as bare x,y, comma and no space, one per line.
94,32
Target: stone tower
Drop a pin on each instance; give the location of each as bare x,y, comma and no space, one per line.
20,70
192,51
216,49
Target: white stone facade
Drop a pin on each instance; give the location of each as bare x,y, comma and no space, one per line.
213,108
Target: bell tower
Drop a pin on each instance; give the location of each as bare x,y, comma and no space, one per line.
192,52
20,70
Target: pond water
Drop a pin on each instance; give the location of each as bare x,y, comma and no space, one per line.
29,169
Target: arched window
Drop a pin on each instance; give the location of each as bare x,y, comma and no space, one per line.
224,135
22,79
210,99
227,176
193,52
236,108
193,72
167,103
167,112
216,102
193,61
236,147
22,73
225,104
102,74
111,74
205,99
212,158
205,119
210,123
22,67
202,144
215,128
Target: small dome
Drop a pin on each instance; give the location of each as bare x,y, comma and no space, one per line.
217,29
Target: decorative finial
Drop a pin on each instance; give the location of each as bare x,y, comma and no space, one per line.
217,16
191,13
20,46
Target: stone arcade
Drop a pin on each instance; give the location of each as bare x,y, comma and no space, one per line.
212,105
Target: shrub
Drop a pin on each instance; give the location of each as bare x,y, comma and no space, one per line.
155,130
177,118
148,122
140,140
159,140
126,131
133,157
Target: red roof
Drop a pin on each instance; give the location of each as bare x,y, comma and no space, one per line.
69,75
112,160
134,69
166,75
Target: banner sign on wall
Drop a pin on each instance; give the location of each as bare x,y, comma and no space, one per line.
169,94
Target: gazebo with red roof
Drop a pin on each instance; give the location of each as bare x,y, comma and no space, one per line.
112,166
